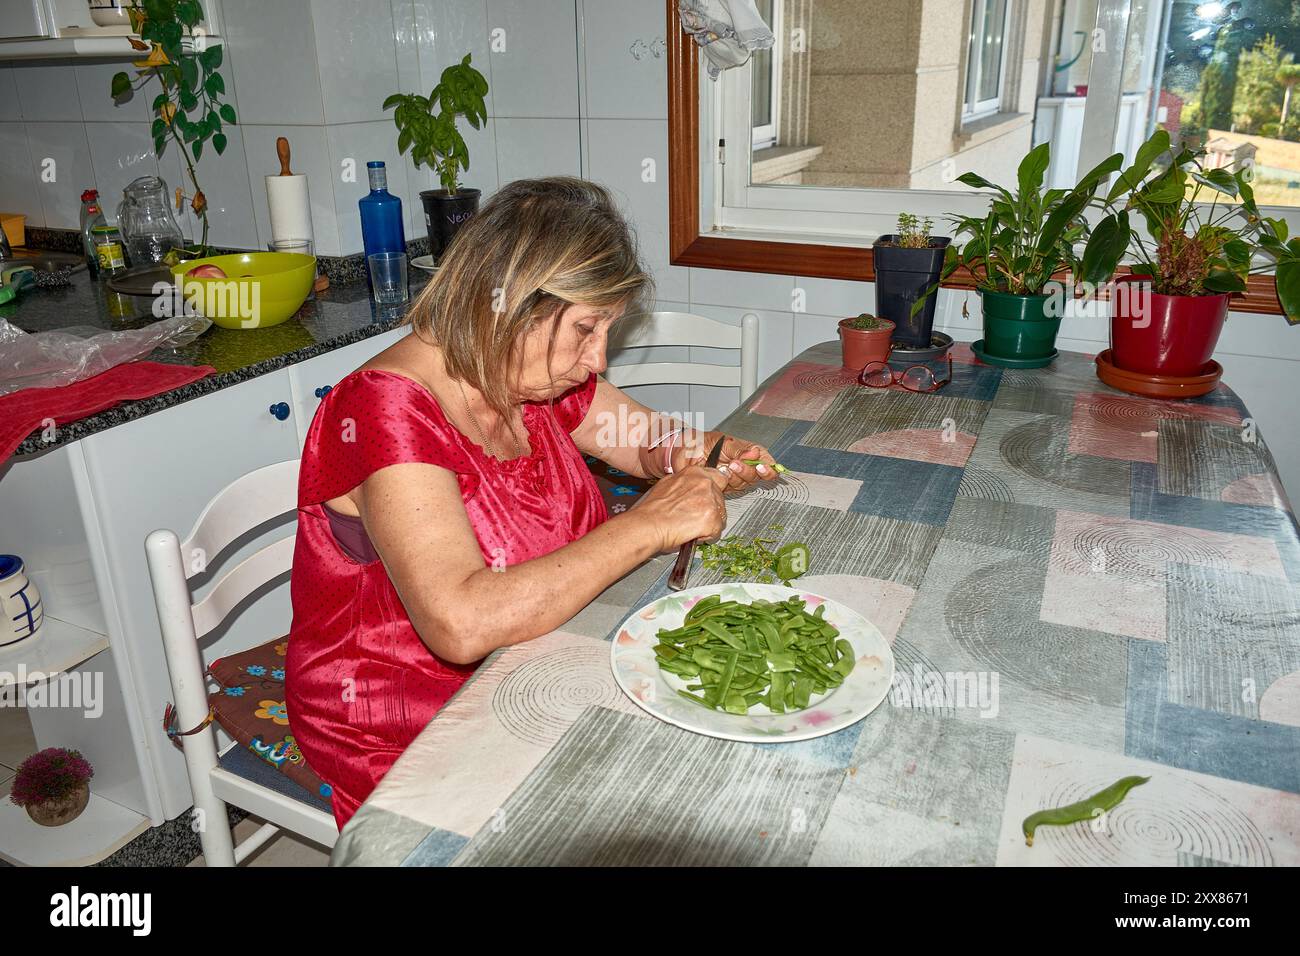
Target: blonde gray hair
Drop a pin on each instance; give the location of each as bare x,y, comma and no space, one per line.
535,248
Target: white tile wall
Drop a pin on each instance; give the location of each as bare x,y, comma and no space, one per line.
810,330
225,181
18,191
10,109
534,56
271,51
47,91
445,31
94,80
62,149
630,157
120,153
527,148
357,57
748,290
624,65
833,296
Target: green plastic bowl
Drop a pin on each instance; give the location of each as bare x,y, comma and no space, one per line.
260,289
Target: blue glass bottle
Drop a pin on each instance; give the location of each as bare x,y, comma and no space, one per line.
381,216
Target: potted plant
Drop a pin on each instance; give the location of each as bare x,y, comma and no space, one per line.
427,127
908,266
189,108
1016,249
1193,257
53,786
864,339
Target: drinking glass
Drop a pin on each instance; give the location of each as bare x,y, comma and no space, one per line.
388,277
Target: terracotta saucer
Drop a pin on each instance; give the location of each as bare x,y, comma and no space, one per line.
1158,386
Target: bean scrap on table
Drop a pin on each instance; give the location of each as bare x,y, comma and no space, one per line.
751,558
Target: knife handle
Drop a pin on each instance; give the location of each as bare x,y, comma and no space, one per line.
682,567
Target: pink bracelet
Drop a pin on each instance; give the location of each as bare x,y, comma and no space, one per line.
668,451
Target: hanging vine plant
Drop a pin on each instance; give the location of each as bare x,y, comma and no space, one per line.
188,110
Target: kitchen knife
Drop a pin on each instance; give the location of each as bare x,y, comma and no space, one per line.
682,569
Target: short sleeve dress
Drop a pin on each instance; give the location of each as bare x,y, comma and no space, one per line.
360,683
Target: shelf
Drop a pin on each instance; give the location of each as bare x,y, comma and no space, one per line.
103,828
57,648
89,46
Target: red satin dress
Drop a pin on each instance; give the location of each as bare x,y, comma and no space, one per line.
359,682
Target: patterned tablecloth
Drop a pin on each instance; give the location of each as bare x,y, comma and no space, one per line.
1078,584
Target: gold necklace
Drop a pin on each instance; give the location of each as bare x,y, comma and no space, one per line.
487,444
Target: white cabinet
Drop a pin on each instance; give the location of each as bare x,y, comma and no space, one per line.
158,472
311,380
24,19
80,512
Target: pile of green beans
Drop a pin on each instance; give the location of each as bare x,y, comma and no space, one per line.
769,652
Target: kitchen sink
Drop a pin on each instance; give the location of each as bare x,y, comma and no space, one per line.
45,260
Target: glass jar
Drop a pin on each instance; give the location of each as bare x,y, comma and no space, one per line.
108,250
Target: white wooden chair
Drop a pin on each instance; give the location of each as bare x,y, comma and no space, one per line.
241,506
685,329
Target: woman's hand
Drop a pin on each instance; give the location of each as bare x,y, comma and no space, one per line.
732,463
683,507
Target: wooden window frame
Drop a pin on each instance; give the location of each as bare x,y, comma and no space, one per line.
687,247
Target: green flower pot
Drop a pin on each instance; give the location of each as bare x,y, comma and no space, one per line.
1018,327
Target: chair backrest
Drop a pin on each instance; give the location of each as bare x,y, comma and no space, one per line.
684,329
243,505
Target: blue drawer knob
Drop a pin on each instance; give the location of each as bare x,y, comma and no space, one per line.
280,410
323,391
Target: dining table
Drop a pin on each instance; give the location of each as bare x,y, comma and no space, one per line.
1077,584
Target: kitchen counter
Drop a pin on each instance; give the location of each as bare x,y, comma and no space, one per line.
341,315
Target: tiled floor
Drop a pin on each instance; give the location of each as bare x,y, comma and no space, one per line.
17,743
284,850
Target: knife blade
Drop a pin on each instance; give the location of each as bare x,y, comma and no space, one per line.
682,567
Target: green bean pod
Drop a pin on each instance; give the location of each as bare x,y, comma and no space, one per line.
1085,809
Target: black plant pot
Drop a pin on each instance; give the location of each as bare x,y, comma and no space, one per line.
902,277
444,215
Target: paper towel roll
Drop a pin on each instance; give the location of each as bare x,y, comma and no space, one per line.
290,207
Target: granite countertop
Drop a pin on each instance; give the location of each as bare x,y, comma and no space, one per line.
339,316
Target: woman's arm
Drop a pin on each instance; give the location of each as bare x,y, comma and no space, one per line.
462,609
626,434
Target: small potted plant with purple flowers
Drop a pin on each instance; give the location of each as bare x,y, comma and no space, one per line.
53,786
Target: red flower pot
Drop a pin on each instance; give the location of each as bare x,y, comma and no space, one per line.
1158,334
860,347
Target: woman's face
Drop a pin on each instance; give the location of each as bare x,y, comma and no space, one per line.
578,352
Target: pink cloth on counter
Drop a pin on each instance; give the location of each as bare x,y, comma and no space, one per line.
24,411
360,683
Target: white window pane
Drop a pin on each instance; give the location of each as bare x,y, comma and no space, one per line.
990,52
1227,82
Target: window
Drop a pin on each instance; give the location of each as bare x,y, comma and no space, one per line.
867,108
765,71
984,58
1227,81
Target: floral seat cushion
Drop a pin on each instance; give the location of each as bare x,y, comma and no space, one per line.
618,489
249,705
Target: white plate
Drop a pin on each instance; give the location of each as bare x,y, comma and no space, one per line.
655,690
425,263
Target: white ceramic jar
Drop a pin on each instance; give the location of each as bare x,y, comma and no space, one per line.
20,603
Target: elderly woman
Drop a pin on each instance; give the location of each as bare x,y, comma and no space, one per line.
458,453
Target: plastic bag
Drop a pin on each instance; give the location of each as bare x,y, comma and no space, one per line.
50,359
